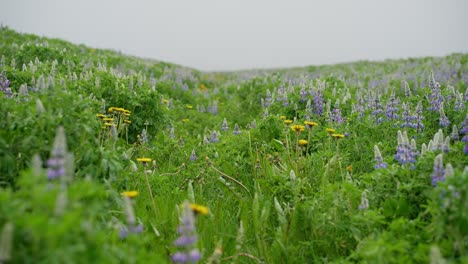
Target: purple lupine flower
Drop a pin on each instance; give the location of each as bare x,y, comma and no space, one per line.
417,118
404,153
172,132
237,130
214,137
213,109
464,131
407,89
56,163
406,116
379,163
193,155
253,124
144,137
268,99
187,238
443,119
132,227
454,135
459,104
435,97
224,125
318,103
364,202
391,108
5,85
377,109
285,100
446,145
360,107
438,173
303,95
335,115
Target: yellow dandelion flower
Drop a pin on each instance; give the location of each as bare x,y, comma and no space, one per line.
108,124
282,117
127,121
288,121
338,135
111,109
203,88
310,123
185,120
127,111
199,209
144,160
165,101
108,119
189,107
100,115
349,168
302,142
331,130
130,194
125,114
298,128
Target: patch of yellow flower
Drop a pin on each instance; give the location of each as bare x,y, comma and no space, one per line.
302,142
298,128
310,123
288,121
100,115
338,135
185,120
331,130
189,107
199,209
282,117
144,160
130,194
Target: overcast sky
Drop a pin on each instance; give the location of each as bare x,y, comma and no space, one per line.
243,34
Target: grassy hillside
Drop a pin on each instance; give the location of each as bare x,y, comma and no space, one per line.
108,158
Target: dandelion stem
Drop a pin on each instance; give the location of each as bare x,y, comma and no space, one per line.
230,178
151,194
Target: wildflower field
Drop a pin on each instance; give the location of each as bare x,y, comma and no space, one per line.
107,158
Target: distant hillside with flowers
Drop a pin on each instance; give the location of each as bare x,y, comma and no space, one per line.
110,158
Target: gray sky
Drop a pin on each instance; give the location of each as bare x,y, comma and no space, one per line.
244,34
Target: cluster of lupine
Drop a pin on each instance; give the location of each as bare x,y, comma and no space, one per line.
438,173
131,226
187,238
406,151
391,111
379,162
5,85
464,131
56,162
435,98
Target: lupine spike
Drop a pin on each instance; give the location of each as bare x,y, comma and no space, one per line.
438,173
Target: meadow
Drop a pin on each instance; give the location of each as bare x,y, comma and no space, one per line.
109,158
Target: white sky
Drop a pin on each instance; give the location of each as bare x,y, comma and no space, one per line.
243,34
